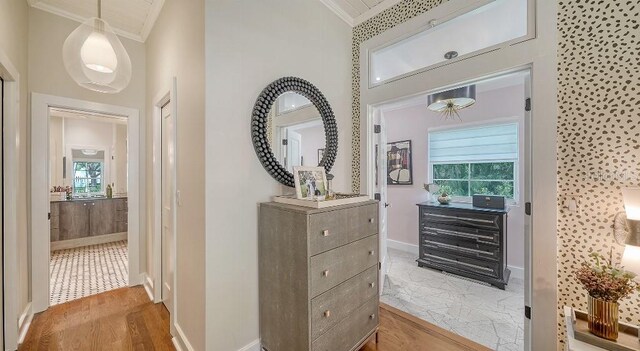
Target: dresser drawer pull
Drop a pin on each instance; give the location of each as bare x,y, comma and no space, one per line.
457,248
372,285
461,234
458,262
325,273
325,233
370,220
372,316
371,253
463,219
327,314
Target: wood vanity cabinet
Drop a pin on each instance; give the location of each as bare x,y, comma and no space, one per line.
318,272
87,218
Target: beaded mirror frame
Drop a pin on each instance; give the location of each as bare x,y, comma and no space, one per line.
260,118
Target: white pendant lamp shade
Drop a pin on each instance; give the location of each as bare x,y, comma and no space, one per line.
95,58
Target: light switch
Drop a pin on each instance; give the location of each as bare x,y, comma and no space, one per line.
571,203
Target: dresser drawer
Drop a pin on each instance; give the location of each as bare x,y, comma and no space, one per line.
453,233
328,230
336,266
464,248
345,335
432,216
447,262
337,303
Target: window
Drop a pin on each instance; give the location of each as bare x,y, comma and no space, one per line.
479,160
487,26
87,177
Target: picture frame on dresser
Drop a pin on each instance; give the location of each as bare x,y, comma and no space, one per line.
310,182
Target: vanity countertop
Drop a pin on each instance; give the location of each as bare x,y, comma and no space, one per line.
91,199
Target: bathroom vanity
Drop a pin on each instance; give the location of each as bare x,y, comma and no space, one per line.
81,222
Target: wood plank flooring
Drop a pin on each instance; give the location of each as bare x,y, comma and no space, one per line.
125,319
400,331
122,319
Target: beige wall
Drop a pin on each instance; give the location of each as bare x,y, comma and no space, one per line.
13,43
47,33
249,44
175,48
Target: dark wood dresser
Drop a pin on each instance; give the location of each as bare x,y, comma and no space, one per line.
318,276
464,240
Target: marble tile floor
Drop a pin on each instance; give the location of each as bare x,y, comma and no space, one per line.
484,314
88,270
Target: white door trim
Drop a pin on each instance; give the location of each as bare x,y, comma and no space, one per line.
166,95
39,206
538,54
9,323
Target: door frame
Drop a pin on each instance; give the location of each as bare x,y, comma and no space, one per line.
10,324
154,281
39,207
537,54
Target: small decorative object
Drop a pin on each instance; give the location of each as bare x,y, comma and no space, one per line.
432,189
444,199
606,284
320,155
109,191
399,167
330,193
311,182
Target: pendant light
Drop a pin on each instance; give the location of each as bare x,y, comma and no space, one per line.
451,101
95,58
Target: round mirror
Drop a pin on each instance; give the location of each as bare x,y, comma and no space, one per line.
293,125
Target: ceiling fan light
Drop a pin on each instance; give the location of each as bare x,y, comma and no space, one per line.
96,59
460,98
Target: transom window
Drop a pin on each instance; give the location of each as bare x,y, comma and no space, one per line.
87,177
473,161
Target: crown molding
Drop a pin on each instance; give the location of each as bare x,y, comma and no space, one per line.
152,17
376,10
333,6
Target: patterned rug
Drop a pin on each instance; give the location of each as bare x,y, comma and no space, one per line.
88,270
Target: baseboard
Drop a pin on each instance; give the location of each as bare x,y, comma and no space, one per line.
253,346
148,285
402,246
24,322
180,340
92,240
516,272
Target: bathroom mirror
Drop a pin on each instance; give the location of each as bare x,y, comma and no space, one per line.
293,125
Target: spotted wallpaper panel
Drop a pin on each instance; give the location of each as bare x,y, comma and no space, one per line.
598,133
389,18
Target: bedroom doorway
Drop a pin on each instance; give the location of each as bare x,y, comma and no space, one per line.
451,280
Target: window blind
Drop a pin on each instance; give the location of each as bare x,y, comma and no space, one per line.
498,142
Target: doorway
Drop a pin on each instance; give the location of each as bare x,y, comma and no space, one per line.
126,213
88,203
484,150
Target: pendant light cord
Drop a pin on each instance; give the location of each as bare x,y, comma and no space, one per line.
100,9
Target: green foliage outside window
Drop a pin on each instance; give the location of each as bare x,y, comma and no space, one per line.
87,177
467,179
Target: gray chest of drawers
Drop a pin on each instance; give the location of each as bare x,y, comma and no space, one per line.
318,276
464,240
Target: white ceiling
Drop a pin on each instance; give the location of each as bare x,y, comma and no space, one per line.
355,12
131,19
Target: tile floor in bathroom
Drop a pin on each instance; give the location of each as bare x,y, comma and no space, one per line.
484,314
88,270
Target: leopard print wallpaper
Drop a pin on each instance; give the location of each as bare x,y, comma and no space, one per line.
598,134
598,126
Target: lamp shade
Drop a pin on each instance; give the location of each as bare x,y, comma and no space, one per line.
95,58
631,259
460,98
631,197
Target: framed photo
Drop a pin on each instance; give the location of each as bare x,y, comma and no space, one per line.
399,165
310,181
320,155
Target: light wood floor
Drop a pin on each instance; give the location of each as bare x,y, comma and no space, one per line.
125,319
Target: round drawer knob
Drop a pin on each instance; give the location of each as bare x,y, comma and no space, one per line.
327,313
371,220
372,285
325,273
373,316
371,253
325,232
